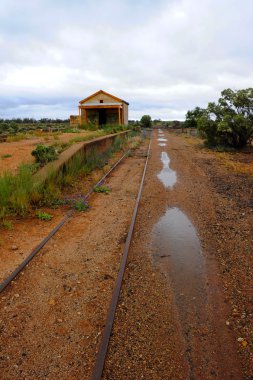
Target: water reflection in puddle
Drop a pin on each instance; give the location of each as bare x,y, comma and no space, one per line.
176,238
162,144
161,139
167,176
176,251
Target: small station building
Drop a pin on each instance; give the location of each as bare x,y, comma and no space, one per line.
101,108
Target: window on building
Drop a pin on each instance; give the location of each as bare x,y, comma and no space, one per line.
101,101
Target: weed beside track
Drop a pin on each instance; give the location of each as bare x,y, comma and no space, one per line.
21,192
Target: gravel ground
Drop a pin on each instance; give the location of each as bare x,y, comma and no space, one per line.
53,314
151,338
52,317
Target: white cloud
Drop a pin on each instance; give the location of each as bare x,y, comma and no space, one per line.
163,57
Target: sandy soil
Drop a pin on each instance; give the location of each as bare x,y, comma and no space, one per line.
52,317
53,314
20,151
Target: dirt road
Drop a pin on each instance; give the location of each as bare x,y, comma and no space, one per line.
184,311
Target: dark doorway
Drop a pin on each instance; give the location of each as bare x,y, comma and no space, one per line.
102,117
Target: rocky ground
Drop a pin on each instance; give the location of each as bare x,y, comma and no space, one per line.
52,317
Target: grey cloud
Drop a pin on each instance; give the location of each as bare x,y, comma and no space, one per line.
163,57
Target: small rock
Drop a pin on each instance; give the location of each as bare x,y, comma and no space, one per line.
14,247
240,339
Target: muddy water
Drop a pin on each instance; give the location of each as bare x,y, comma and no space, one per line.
177,252
176,241
167,176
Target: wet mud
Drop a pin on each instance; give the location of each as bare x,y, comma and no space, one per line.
176,251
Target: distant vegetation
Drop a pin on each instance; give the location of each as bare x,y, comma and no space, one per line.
146,121
15,128
228,123
20,129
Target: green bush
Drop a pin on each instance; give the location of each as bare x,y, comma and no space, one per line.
101,188
228,123
44,216
146,121
43,154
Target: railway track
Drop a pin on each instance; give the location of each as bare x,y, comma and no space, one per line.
101,355
34,252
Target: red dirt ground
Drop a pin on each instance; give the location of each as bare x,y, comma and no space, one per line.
53,315
20,151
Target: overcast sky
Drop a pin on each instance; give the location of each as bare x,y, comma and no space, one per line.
163,57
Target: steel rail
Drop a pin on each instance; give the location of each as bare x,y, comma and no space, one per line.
101,356
14,274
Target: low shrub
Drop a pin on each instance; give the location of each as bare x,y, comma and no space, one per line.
102,188
44,154
44,216
6,156
78,202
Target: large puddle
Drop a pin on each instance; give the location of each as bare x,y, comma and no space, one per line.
167,176
176,240
176,250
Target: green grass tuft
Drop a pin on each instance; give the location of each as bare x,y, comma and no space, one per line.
7,224
44,216
6,156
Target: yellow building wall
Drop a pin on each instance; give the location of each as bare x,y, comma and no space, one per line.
125,114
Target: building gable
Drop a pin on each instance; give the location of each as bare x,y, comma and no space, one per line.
101,97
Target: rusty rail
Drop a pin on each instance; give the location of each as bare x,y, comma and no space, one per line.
101,356
14,274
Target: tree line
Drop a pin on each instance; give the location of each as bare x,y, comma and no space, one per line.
28,120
